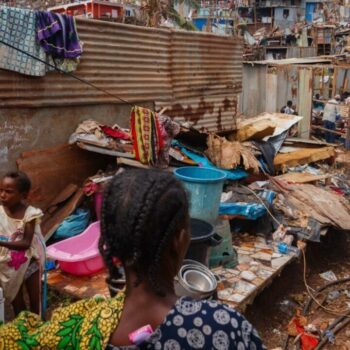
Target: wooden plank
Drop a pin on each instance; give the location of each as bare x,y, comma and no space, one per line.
52,219
302,177
327,130
303,156
256,130
52,169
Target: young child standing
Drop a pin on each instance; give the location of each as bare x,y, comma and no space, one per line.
22,250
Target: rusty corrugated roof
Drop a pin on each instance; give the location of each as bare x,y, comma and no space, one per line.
128,61
205,113
205,64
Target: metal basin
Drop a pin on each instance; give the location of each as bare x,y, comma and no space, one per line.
195,280
198,281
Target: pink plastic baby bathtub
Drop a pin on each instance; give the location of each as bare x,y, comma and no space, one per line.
79,255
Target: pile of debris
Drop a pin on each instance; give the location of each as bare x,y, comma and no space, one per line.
280,191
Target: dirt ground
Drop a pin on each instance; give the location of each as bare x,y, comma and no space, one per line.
273,309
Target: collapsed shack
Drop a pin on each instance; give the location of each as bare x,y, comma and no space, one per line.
322,31
255,209
309,83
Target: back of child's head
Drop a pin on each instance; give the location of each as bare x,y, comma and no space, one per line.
142,212
22,180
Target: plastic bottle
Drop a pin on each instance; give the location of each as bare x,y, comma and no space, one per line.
284,248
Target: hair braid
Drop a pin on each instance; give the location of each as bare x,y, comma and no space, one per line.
150,199
159,251
106,225
141,211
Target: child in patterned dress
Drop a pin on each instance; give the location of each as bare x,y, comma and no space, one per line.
21,243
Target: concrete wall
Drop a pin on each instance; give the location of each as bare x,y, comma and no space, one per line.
36,128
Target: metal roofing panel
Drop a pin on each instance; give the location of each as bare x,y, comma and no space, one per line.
205,113
205,64
128,61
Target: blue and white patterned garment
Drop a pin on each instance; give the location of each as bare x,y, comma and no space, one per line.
201,325
18,28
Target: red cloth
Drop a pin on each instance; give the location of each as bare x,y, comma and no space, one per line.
308,341
115,133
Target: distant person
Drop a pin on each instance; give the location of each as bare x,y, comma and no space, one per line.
317,104
288,109
330,116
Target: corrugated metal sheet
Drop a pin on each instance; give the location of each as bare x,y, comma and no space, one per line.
206,113
197,70
305,101
128,61
205,64
207,78
301,52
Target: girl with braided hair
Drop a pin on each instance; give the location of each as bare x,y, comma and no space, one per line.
145,226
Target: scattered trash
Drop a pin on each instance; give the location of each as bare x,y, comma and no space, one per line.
276,331
330,335
335,294
288,307
329,276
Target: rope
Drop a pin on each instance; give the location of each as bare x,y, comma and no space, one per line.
308,289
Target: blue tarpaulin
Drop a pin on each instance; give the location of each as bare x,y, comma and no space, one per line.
235,174
251,211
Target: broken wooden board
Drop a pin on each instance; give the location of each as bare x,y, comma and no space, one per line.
302,156
52,169
343,158
52,219
78,287
302,177
282,122
231,154
331,206
121,161
301,202
63,196
255,129
304,143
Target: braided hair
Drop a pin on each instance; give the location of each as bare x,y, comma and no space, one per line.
142,212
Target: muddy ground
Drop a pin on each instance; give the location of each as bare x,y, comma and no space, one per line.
275,306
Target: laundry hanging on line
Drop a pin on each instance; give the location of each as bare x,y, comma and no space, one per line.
57,35
18,29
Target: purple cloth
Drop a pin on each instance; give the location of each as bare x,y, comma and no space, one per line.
57,35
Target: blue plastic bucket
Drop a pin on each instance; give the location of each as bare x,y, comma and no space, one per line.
204,186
